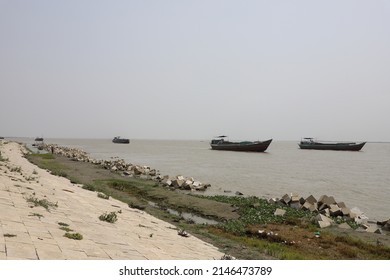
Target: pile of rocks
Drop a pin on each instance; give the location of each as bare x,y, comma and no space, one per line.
129,169
329,211
184,183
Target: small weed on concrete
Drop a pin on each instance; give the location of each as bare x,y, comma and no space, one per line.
41,202
110,218
36,215
75,236
66,229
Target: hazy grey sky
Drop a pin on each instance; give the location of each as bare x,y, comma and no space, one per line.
195,69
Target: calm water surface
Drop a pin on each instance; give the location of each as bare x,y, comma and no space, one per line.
360,179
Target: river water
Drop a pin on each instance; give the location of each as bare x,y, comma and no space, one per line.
360,179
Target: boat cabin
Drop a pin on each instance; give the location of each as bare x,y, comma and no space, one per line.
218,139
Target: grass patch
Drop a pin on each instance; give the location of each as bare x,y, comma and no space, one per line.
43,156
36,215
254,211
9,235
41,202
66,229
110,217
89,187
63,224
47,161
75,236
136,206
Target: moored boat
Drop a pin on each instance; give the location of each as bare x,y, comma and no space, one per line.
310,143
120,140
219,143
39,139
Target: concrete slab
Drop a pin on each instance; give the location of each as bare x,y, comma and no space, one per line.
136,235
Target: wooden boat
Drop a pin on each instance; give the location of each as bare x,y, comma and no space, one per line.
219,143
310,143
39,139
119,140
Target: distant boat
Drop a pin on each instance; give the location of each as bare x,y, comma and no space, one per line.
219,143
39,139
119,140
310,143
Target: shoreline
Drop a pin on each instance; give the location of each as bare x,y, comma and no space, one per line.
192,185
33,232
285,169
295,229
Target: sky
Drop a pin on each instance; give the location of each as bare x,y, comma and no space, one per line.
151,69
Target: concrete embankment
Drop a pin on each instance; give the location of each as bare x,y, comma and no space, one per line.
38,209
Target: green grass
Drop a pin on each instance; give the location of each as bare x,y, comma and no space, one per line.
89,187
47,161
36,215
66,229
254,210
110,217
75,236
41,202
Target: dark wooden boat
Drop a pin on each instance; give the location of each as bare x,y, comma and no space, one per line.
310,143
39,139
119,140
219,143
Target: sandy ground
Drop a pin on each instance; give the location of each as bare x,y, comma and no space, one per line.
33,232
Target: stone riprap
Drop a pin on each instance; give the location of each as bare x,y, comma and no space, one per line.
129,169
329,211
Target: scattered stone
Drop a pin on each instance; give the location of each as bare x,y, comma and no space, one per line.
344,226
311,199
227,257
183,233
286,199
323,221
279,212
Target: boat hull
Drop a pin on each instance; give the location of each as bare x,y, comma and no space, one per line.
120,141
242,146
333,146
